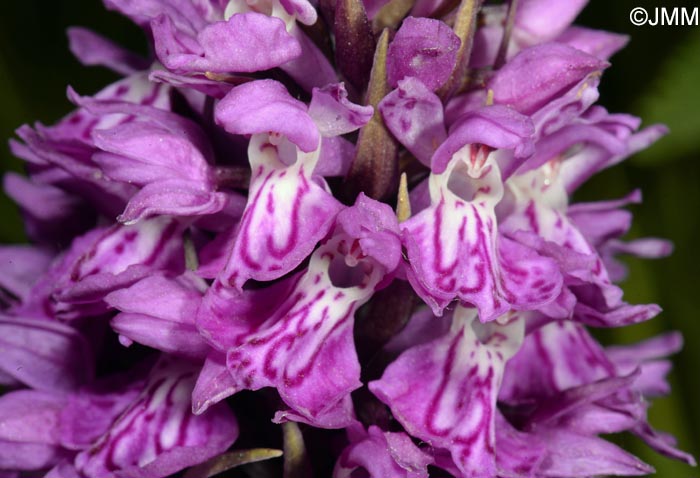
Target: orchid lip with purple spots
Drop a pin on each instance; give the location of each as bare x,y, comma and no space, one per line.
339,233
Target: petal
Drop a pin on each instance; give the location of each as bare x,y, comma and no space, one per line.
89,412
44,355
383,454
214,383
594,42
93,49
562,453
454,250
602,220
335,158
553,346
556,144
30,416
538,74
246,42
158,435
185,13
173,198
414,115
265,106
425,49
22,265
75,173
311,68
135,89
287,214
663,443
375,226
119,256
310,336
577,169
143,152
302,10
334,114
28,423
624,314
543,20
649,356
50,214
160,312
494,126
202,84
444,392
226,316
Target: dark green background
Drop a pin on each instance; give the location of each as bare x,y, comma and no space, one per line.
657,77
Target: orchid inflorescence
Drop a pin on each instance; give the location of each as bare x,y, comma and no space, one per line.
339,232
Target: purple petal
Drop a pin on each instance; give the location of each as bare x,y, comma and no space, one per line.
28,422
647,248
64,469
337,415
543,20
577,169
621,315
557,143
89,412
214,383
376,229
302,10
538,74
310,336
334,114
247,42
494,126
50,214
311,68
226,315
265,106
454,251
414,115
663,443
186,14
75,173
554,346
213,255
202,84
444,392
119,256
383,454
287,214
600,457
648,356
594,42
44,355
335,158
93,49
135,89
160,312
144,152
158,435
21,266
600,221
175,198
425,49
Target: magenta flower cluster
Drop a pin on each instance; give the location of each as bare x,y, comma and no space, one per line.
355,215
